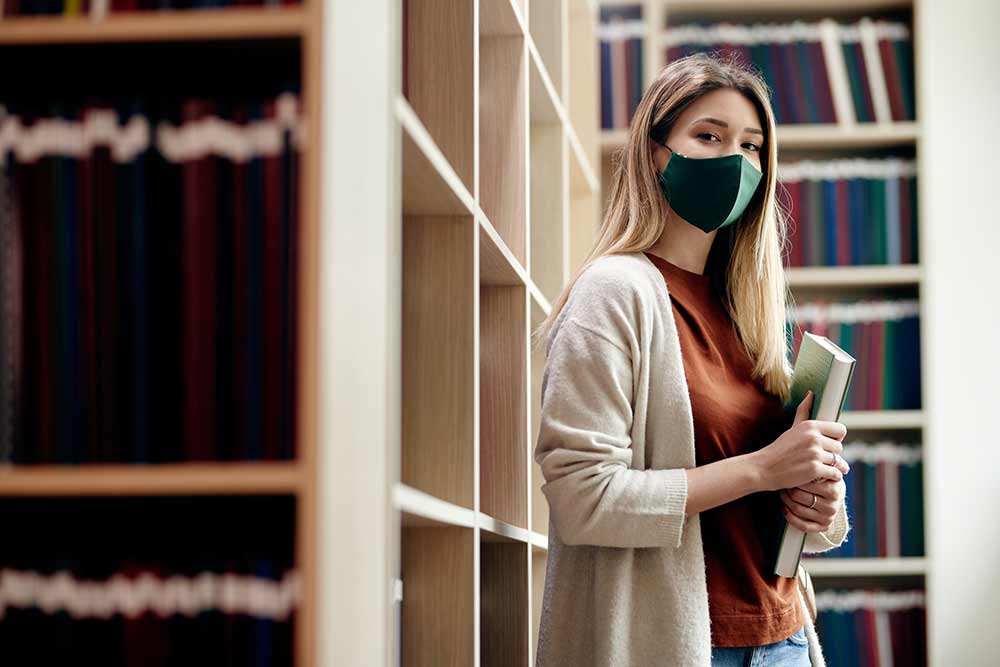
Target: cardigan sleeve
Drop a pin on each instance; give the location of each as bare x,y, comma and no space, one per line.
831,538
584,450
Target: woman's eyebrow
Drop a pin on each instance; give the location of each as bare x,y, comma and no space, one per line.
722,123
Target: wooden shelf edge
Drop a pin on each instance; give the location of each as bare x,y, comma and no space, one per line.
414,128
157,25
516,274
538,299
589,175
577,148
178,479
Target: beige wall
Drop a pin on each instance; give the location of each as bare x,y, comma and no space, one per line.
959,108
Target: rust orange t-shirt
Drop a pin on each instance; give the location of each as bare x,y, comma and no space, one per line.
733,415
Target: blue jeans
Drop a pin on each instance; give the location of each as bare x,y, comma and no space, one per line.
791,652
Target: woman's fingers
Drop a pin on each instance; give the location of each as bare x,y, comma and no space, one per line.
835,430
824,489
797,503
802,524
837,461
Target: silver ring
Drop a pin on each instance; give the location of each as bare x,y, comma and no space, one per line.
814,502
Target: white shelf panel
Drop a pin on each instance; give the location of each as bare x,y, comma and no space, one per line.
545,81
853,567
497,264
882,419
430,184
495,530
854,276
540,306
423,509
539,541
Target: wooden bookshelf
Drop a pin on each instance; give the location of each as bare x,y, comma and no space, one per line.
237,23
498,183
298,478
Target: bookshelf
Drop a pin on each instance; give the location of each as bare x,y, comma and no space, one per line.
648,20
500,196
285,489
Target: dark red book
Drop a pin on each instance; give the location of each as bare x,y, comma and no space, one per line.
782,87
893,81
43,259
238,349
800,92
794,221
821,83
290,288
199,287
88,325
145,637
274,298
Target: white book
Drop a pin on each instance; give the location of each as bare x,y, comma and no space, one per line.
826,369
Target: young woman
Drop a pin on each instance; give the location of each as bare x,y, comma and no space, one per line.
668,459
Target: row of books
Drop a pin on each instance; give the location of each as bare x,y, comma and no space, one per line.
851,211
150,281
819,72
872,628
621,33
143,617
882,334
100,8
148,580
885,502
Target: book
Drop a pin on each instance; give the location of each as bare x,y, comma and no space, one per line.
826,369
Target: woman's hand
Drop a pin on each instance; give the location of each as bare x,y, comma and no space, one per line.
809,451
829,495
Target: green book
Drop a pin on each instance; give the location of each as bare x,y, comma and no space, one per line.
826,369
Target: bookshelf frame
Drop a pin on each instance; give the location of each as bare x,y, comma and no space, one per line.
482,261
459,180
298,477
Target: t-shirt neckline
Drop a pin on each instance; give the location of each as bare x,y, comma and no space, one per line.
677,270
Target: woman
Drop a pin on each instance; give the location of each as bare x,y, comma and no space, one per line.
668,460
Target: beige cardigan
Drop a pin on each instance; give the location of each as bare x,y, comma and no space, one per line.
625,583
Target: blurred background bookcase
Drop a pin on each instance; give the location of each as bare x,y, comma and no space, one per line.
498,113
843,77
91,510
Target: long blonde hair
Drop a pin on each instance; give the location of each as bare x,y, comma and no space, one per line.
745,259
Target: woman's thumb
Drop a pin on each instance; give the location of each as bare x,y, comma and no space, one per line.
802,413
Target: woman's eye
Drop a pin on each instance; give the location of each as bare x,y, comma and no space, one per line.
707,134
753,147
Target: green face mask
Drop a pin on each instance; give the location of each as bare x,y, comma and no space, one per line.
709,192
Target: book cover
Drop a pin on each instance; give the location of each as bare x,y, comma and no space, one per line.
824,368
